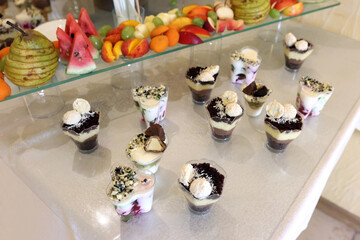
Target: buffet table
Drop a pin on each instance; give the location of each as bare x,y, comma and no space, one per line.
266,195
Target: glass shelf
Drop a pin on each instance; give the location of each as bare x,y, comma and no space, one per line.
102,17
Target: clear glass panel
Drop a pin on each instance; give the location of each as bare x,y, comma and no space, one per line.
101,17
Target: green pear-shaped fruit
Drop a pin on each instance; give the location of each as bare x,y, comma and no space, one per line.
32,60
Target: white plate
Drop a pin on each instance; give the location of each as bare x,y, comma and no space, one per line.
49,28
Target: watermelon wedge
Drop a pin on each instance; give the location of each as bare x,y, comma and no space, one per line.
65,43
69,19
80,61
86,24
74,28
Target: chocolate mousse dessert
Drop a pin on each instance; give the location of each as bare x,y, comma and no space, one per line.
255,95
202,184
282,125
201,81
7,33
82,125
224,113
296,51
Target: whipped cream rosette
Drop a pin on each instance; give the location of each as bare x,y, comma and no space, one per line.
151,101
202,182
82,125
312,96
255,95
244,65
282,125
130,191
296,51
201,81
224,113
146,149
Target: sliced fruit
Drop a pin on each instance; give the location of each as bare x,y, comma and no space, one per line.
220,26
113,38
56,44
30,81
189,38
81,60
32,71
140,49
129,45
86,24
143,30
127,32
198,22
159,43
174,27
69,20
212,15
181,22
165,17
224,13
200,12
73,28
173,11
32,58
116,30
173,37
231,24
96,42
188,8
294,10
35,52
209,25
150,26
159,30
5,90
2,64
12,63
157,21
4,51
282,4
132,23
240,25
117,49
107,52
198,31
148,18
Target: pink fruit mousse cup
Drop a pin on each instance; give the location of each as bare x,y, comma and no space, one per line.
244,65
130,191
312,96
202,182
151,101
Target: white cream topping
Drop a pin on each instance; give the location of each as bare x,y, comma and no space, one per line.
250,54
229,97
290,39
200,188
233,109
207,75
81,105
186,174
72,117
302,45
289,111
149,103
275,109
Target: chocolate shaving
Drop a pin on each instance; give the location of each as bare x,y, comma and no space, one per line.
147,147
156,130
250,89
261,92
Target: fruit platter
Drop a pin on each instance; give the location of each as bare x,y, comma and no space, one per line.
85,49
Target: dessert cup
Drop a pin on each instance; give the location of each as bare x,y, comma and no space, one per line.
244,65
282,125
223,126
254,103
312,96
294,58
144,161
200,90
216,176
130,191
151,101
82,126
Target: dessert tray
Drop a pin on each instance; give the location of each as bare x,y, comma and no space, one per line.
101,18
261,186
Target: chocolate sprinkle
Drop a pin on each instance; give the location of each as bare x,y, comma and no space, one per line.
295,124
87,121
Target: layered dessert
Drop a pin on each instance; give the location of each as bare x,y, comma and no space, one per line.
296,51
146,149
312,96
255,95
224,113
130,191
151,101
244,65
7,33
282,125
29,18
82,125
201,81
202,184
